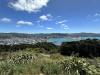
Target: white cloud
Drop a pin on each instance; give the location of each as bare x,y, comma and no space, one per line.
24,23
28,5
49,28
97,14
62,21
64,26
6,19
46,17
94,17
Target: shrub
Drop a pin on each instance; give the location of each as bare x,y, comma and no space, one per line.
50,69
48,47
84,48
78,66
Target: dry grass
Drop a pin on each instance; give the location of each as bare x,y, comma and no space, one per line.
30,63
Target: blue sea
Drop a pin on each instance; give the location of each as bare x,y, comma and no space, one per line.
58,41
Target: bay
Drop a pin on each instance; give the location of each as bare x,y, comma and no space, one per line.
59,41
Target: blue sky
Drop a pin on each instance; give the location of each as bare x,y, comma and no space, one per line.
50,16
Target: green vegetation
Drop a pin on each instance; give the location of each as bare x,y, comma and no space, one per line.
83,48
44,46
47,59
30,63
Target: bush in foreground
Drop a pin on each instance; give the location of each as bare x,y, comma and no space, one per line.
83,48
28,63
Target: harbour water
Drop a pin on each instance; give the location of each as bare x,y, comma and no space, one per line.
58,41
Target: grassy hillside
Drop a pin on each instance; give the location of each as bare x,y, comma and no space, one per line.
29,62
73,58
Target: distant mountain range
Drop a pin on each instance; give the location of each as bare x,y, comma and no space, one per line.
47,35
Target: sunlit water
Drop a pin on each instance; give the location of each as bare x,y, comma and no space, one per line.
58,41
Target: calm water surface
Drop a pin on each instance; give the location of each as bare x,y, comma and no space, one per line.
58,41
